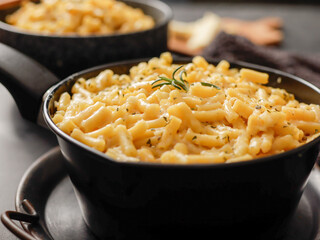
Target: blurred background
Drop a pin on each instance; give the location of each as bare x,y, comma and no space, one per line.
297,20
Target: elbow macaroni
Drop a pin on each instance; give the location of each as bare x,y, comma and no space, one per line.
124,117
84,17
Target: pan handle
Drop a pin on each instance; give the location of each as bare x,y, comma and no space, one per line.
4,4
25,79
8,218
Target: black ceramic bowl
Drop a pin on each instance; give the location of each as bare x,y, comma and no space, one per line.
251,200
68,54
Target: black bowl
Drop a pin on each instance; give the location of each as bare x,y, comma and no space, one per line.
65,55
253,199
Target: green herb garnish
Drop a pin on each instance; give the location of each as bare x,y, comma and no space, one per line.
209,85
178,83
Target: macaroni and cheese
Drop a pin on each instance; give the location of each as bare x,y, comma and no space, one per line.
80,17
194,113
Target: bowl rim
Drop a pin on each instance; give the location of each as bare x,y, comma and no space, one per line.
157,4
103,157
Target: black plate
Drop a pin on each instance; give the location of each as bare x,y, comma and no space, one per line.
47,186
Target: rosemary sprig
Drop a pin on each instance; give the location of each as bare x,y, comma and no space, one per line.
209,85
178,83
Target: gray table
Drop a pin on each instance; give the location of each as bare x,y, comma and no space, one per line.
21,142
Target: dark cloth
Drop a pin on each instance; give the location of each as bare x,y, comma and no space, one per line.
233,48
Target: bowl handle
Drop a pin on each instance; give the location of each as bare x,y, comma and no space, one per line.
8,218
26,80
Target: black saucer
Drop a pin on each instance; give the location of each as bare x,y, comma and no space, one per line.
47,186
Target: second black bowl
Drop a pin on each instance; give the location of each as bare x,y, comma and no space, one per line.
68,54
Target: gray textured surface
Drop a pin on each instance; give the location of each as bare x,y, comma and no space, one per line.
22,142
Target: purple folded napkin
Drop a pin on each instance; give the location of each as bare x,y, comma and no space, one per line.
233,48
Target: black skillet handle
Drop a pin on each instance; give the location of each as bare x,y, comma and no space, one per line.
25,79
8,218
